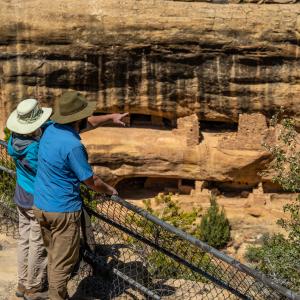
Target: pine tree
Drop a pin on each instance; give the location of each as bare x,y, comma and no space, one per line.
214,226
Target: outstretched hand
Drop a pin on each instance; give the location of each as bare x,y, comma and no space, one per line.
117,118
111,190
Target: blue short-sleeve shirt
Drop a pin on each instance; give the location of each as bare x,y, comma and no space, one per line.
62,165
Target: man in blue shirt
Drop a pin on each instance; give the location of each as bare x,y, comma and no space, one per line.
62,166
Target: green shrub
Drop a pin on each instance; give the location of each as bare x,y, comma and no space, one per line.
170,212
88,196
278,257
7,134
215,227
7,188
7,182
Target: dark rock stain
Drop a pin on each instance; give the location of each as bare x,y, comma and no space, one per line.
151,64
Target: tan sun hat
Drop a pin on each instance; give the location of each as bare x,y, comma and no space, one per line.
71,107
28,117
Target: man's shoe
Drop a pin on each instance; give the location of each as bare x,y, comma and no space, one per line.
20,291
36,296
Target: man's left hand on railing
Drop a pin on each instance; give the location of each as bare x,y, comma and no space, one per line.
98,185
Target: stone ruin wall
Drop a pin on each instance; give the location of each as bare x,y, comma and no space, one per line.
181,61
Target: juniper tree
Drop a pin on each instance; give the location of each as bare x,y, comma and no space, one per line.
214,226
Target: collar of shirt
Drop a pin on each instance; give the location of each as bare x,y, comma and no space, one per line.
69,128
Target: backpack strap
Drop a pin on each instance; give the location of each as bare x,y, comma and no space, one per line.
25,165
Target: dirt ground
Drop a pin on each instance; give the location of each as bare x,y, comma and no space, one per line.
8,267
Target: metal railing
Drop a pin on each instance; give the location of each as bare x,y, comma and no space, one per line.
128,252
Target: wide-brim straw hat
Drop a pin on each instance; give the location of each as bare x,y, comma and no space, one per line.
28,117
71,107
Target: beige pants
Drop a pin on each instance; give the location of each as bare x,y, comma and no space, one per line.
61,234
32,255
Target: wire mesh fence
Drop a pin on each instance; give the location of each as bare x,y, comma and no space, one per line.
127,253
8,212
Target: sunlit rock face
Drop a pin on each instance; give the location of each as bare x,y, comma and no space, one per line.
124,153
164,58
234,158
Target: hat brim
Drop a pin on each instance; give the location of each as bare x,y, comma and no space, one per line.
86,112
14,124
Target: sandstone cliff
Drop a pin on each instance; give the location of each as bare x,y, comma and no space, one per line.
164,58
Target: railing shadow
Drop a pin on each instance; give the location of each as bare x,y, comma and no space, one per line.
104,274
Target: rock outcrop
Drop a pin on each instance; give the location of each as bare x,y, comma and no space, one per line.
163,58
179,153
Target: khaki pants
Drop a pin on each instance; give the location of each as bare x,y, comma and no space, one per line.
32,255
61,234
